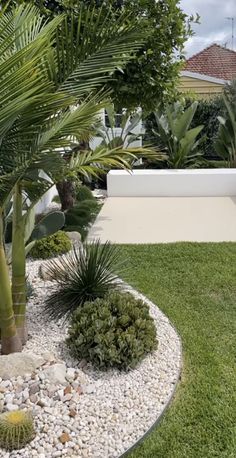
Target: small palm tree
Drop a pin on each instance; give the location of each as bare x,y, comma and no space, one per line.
44,70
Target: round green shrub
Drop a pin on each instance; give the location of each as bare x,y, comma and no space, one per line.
116,331
84,193
51,246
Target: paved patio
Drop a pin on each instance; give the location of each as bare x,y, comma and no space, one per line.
166,219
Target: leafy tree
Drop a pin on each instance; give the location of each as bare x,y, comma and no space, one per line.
207,113
152,76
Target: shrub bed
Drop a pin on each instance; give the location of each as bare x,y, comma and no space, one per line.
54,245
116,331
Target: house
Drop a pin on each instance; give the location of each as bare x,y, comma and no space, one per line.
208,71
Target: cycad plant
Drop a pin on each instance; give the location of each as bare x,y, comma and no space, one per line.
176,139
45,69
85,274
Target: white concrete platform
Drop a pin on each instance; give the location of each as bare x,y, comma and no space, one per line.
166,219
172,183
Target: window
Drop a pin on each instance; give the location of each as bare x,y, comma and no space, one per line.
118,119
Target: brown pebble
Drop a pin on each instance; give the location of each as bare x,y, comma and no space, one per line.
79,390
40,403
64,438
72,413
67,390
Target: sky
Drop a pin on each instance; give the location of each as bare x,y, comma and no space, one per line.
214,28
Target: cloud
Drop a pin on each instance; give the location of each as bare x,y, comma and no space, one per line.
213,27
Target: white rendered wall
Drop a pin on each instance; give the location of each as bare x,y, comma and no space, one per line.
172,183
47,197
45,201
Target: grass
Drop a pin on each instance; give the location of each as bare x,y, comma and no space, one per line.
195,286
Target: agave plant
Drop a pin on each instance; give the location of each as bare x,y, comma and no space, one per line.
175,138
85,274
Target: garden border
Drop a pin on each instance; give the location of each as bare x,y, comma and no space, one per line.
172,394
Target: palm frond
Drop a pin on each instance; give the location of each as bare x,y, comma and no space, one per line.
91,47
103,157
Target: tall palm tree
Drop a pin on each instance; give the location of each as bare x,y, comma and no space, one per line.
45,69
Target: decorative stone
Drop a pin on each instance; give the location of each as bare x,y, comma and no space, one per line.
67,397
12,407
64,438
25,394
89,389
83,363
19,364
34,388
33,398
67,390
60,394
72,413
79,390
75,237
43,273
121,406
51,391
9,398
56,373
70,374
41,403
48,356
48,410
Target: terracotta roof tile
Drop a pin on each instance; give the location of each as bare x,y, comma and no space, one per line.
214,61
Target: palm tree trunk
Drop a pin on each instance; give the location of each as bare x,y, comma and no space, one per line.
9,338
18,265
66,191
66,188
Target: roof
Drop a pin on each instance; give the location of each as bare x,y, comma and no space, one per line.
214,61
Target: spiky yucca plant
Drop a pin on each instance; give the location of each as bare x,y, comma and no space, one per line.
83,275
16,429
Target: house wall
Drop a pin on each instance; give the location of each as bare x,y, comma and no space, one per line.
200,87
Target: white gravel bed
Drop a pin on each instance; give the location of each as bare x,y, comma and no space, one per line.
93,414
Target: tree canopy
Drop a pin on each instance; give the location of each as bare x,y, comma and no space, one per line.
151,78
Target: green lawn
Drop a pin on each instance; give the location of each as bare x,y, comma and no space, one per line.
195,285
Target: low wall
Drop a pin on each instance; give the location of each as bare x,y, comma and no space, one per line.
172,183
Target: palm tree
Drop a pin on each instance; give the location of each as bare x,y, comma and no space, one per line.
45,69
